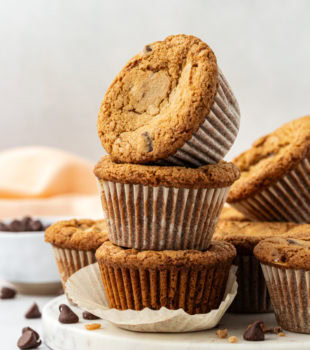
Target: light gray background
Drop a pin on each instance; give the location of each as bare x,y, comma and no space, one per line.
58,57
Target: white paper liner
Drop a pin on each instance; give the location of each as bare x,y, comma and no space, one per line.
215,135
286,200
290,295
159,218
85,288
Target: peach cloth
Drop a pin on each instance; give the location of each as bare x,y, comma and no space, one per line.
44,181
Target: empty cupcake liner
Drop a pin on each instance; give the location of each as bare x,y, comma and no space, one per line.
215,136
70,260
252,295
159,218
290,295
85,288
286,200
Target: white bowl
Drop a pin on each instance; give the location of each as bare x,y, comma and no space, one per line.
27,261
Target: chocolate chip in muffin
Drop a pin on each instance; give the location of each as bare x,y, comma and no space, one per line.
148,141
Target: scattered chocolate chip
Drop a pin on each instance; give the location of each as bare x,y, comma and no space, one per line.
149,141
29,339
88,316
33,312
7,293
67,315
255,332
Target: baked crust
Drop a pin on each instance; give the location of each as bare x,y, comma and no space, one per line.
161,96
84,234
286,253
270,158
217,253
231,214
207,176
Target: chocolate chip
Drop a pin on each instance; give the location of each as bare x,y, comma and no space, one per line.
88,316
7,293
255,332
149,141
16,226
67,315
147,48
274,330
33,312
293,242
29,339
3,227
35,225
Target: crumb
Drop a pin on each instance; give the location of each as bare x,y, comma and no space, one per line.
92,326
222,333
281,334
233,339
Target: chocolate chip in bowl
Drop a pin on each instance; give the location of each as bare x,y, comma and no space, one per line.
26,224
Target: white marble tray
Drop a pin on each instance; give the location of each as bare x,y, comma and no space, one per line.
75,337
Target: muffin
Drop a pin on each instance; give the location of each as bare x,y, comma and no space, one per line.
275,176
286,267
252,296
170,103
189,279
163,207
74,243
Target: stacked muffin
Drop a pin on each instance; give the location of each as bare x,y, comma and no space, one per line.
167,121
273,187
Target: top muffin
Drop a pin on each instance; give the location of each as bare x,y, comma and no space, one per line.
270,158
158,100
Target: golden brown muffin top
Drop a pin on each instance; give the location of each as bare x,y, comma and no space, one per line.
245,235
271,157
217,253
161,96
84,234
207,176
231,214
284,252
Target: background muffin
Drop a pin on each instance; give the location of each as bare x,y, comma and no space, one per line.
275,175
170,102
161,207
192,280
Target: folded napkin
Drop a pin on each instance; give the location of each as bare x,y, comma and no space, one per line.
44,181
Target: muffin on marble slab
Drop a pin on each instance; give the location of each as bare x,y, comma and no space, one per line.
74,243
170,103
163,207
275,176
252,295
286,266
189,279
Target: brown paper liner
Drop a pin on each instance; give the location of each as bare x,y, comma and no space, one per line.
193,291
252,295
286,200
159,218
215,136
290,295
69,261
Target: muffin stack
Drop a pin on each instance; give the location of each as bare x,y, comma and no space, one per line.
273,191
167,121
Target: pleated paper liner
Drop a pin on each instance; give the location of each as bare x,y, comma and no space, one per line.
252,295
85,288
215,136
286,200
159,218
290,295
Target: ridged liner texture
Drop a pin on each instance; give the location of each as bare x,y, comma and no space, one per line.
252,295
70,260
215,136
290,295
160,218
192,290
286,200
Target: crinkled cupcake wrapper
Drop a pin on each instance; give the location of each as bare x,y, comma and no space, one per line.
70,260
215,136
286,200
159,218
290,295
252,295
85,288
